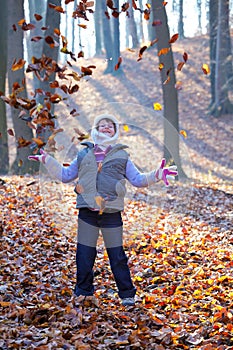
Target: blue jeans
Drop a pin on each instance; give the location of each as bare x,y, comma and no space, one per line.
111,226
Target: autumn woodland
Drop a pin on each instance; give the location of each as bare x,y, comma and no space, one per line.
173,97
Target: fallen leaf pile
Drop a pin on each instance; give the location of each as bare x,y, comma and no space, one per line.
179,241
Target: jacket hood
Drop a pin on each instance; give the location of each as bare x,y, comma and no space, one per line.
100,138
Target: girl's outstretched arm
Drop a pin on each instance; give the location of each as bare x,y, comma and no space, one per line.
140,179
62,173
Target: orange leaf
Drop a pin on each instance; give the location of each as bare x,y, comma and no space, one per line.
18,65
164,51
154,42
38,141
183,133
84,26
56,8
167,80
57,31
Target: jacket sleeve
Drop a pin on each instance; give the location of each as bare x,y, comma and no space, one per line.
137,178
62,173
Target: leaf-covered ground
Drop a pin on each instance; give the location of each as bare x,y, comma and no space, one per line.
180,257
179,239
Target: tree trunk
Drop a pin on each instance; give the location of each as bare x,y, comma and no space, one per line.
107,37
116,41
141,31
199,12
181,20
4,157
21,164
222,104
98,27
73,29
132,28
213,21
170,98
35,48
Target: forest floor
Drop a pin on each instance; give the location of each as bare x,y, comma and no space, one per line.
178,239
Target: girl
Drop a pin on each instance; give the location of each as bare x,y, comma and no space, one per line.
102,169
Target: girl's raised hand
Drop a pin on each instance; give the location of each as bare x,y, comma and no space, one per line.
39,157
165,174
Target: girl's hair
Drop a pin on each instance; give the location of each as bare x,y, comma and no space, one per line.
108,120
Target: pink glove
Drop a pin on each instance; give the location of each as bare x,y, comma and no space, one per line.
39,157
166,173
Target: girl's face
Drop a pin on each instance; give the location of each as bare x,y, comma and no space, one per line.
106,127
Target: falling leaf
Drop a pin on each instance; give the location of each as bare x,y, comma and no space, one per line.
167,80
36,38
22,142
126,128
156,23
154,42
101,203
185,56
57,32
38,17
130,50
87,70
178,85
205,68
147,13
74,112
56,8
164,51
174,38
141,51
110,4
50,41
18,65
81,25
157,106
81,135
125,7
20,163
115,13
11,132
180,66
80,54
183,133
54,84
161,66
117,66
100,165
38,141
